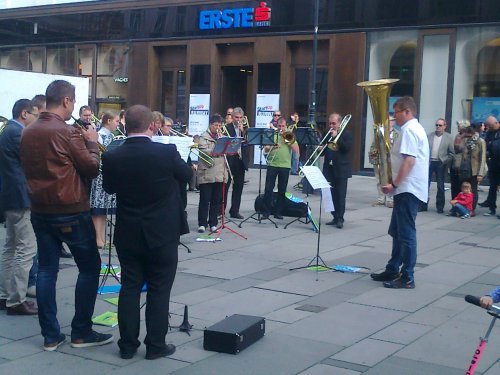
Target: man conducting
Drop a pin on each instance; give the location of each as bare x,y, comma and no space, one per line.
58,161
149,221
410,171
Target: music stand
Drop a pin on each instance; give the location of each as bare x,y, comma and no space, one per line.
223,147
260,137
110,270
318,181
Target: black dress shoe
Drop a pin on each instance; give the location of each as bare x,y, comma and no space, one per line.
127,354
3,304
422,208
65,253
236,215
385,276
168,350
439,210
333,222
340,224
279,217
484,204
22,309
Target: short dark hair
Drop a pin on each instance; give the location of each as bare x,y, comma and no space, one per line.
57,91
138,117
215,118
406,103
84,108
39,101
106,117
20,106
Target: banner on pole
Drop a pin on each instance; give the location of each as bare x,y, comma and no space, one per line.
199,112
265,106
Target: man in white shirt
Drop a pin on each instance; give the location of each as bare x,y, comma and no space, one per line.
410,171
441,155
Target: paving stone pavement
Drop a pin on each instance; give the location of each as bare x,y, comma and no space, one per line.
316,323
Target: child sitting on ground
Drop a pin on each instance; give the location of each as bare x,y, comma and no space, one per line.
462,203
491,298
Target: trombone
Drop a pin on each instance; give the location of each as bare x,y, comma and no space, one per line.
201,154
327,141
83,125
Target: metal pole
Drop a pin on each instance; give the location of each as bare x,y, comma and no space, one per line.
312,102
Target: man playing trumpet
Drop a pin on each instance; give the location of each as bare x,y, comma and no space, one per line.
279,162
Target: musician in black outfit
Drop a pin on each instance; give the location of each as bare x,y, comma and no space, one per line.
337,167
237,164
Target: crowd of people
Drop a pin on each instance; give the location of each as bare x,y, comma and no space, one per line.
60,182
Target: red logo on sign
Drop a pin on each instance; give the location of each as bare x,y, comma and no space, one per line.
262,13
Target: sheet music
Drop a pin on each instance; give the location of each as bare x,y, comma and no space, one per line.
315,177
183,144
327,201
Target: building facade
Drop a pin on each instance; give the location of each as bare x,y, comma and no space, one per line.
158,52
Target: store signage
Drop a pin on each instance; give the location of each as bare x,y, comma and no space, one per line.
234,18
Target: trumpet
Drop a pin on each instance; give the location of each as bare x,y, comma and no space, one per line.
224,131
84,125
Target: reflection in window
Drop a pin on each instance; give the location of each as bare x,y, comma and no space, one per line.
36,59
61,60
168,93
487,79
402,66
13,59
180,113
303,90
269,79
112,72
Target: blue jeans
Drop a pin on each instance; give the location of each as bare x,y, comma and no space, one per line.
77,231
33,272
295,163
404,235
459,209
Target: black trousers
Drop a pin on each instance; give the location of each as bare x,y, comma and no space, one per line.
156,267
439,169
494,177
238,181
339,191
210,202
272,173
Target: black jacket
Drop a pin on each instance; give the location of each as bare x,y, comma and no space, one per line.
338,163
145,177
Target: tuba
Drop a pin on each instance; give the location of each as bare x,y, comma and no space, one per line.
378,92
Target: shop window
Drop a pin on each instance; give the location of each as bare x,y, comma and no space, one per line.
303,92
180,111
112,73
269,79
13,59
36,60
487,78
402,66
61,60
85,58
200,79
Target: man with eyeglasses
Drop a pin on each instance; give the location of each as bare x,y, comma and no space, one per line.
410,173
442,152
493,158
337,167
20,246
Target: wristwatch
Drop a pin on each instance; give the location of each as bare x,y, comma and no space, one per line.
394,186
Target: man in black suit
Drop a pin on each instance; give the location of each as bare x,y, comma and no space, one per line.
149,221
237,163
20,245
337,167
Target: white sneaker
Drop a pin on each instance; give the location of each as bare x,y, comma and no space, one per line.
31,292
213,229
201,229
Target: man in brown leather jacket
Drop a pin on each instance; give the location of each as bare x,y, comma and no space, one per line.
58,160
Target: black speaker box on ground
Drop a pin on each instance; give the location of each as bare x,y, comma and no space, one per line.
234,333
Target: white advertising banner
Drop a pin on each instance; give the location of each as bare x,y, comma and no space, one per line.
265,106
199,112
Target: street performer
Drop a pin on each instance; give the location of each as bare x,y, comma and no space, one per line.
337,167
279,163
210,177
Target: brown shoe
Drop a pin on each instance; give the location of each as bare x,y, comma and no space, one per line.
22,309
3,304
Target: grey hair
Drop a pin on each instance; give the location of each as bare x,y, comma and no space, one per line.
238,110
462,124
